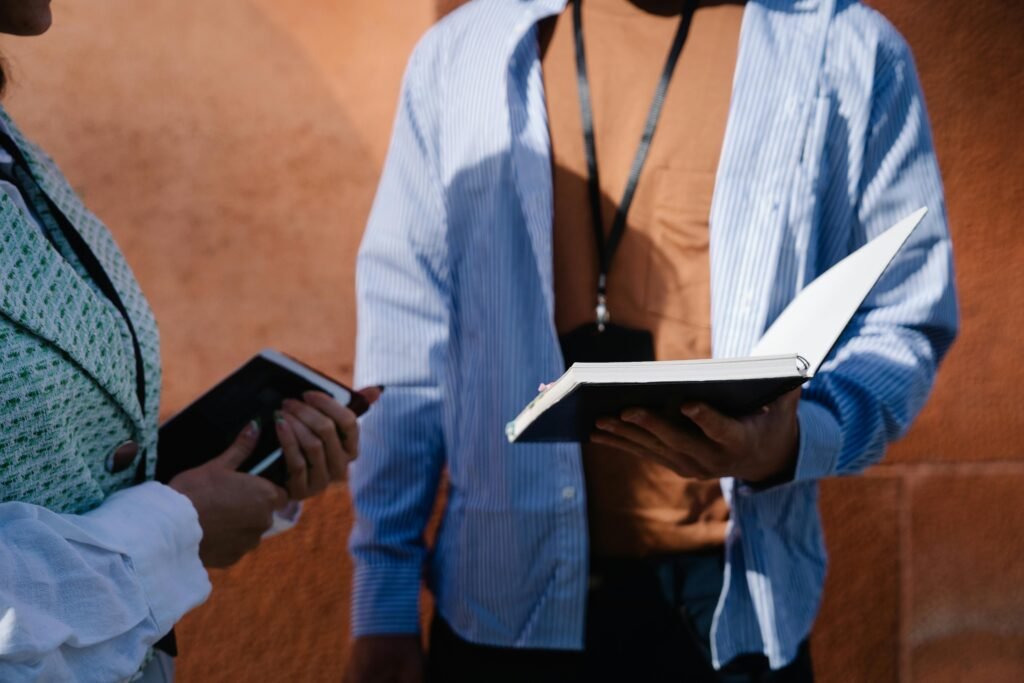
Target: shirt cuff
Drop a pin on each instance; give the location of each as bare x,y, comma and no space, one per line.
158,530
821,440
386,599
285,519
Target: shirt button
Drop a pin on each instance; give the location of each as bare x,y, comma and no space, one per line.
569,492
122,457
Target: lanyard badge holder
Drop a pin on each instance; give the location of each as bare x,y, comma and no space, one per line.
603,341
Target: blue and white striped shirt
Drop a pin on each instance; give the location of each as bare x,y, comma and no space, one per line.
827,144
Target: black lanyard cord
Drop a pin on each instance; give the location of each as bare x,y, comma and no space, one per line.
606,247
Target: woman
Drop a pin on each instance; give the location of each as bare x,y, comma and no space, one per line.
96,562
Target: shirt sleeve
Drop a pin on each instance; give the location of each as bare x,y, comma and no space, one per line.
402,343
868,393
83,597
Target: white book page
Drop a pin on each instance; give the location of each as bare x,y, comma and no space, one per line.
813,321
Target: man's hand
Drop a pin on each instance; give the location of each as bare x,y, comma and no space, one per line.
234,508
757,448
386,659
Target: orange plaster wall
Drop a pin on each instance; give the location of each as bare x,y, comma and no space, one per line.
233,148
926,552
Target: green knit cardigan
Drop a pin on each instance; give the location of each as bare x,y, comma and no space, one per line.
67,369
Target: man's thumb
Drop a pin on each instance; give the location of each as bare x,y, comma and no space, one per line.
242,448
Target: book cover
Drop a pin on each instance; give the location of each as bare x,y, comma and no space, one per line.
207,426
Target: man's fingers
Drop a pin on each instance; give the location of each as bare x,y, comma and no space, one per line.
241,449
618,443
676,462
788,401
716,426
633,433
675,436
687,452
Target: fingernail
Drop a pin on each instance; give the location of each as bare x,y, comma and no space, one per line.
253,428
604,424
690,410
632,415
279,417
381,388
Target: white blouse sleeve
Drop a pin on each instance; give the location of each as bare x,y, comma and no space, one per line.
83,597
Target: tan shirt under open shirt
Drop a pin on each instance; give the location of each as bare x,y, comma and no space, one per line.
659,280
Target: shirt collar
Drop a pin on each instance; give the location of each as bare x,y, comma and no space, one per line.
536,10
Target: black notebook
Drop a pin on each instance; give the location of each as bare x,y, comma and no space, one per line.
206,427
788,355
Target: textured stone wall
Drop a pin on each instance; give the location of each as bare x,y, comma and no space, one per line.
233,148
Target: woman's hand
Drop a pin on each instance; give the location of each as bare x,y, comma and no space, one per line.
757,448
319,438
234,508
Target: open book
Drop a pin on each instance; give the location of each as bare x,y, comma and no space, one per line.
788,355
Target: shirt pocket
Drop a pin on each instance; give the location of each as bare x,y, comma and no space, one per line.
678,273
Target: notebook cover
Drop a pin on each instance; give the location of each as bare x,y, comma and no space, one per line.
572,419
208,426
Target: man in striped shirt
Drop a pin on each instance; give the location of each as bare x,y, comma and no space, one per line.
515,207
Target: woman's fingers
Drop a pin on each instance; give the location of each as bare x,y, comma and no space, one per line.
298,469
345,425
319,437
371,394
325,429
314,450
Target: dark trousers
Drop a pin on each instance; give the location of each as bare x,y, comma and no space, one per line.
647,621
